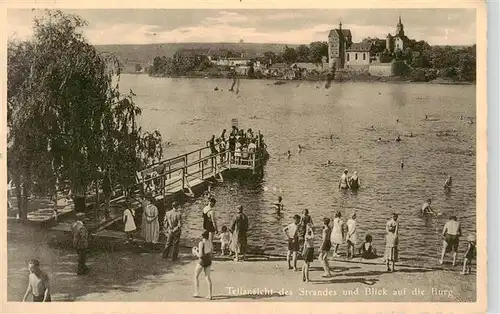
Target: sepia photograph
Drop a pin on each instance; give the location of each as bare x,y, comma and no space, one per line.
264,155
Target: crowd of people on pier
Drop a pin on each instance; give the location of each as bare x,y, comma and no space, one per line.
240,143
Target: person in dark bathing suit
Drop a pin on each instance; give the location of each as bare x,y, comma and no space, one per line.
203,264
209,221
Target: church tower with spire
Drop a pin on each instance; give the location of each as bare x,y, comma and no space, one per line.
339,40
400,31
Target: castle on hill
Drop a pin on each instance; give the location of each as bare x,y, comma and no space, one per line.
343,53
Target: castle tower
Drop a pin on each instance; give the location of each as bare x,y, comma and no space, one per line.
400,28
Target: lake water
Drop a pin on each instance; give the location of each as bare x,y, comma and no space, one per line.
188,111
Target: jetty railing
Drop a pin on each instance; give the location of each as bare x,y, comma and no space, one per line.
181,173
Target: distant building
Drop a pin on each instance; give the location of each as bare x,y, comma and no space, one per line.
338,41
399,41
359,54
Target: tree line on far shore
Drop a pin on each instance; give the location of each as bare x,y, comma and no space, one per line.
69,127
426,62
181,65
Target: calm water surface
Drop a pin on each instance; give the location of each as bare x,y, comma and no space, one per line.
188,111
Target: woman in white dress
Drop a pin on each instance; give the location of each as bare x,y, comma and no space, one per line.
128,220
352,237
337,236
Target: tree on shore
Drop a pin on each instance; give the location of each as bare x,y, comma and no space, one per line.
69,126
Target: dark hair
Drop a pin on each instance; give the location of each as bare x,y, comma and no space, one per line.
368,238
224,228
35,262
453,217
338,215
213,200
306,211
395,215
205,234
326,220
280,198
296,217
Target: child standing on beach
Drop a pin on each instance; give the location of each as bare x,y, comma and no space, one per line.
337,236
225,240
308,252
292,233
351,235
470,255
326,244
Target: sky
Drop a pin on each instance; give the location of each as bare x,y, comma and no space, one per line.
151,26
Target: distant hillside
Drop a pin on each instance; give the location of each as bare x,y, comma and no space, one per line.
130,55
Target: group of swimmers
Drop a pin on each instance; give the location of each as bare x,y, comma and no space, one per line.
240,143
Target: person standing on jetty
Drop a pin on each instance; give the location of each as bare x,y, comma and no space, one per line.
326,245
204,262
451,233
210,223
172,226
337,236
150,226
80,243
344,181
239,228
391,244
292,234
38,283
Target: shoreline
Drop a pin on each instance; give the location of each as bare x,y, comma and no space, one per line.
357,78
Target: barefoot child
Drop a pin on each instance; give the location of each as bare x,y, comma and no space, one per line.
326,244
225,240
308,252
470,255
292,233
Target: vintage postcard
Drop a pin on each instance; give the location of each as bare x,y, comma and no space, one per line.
286,154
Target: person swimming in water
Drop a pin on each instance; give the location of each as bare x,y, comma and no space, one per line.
426,117
354,181
289,154
448,184
426,207
398,139
279,206
397,120
411,134
299,148
344,181
328,163
372,128
379,139
402,163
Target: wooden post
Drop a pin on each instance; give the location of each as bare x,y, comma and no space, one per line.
199,158
183,179
202,168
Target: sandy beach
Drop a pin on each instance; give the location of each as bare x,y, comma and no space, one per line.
134,274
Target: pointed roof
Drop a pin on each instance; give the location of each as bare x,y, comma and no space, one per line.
362,46
340,32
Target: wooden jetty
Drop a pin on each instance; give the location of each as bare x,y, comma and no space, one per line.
174,176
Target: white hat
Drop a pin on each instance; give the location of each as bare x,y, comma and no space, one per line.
471,238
